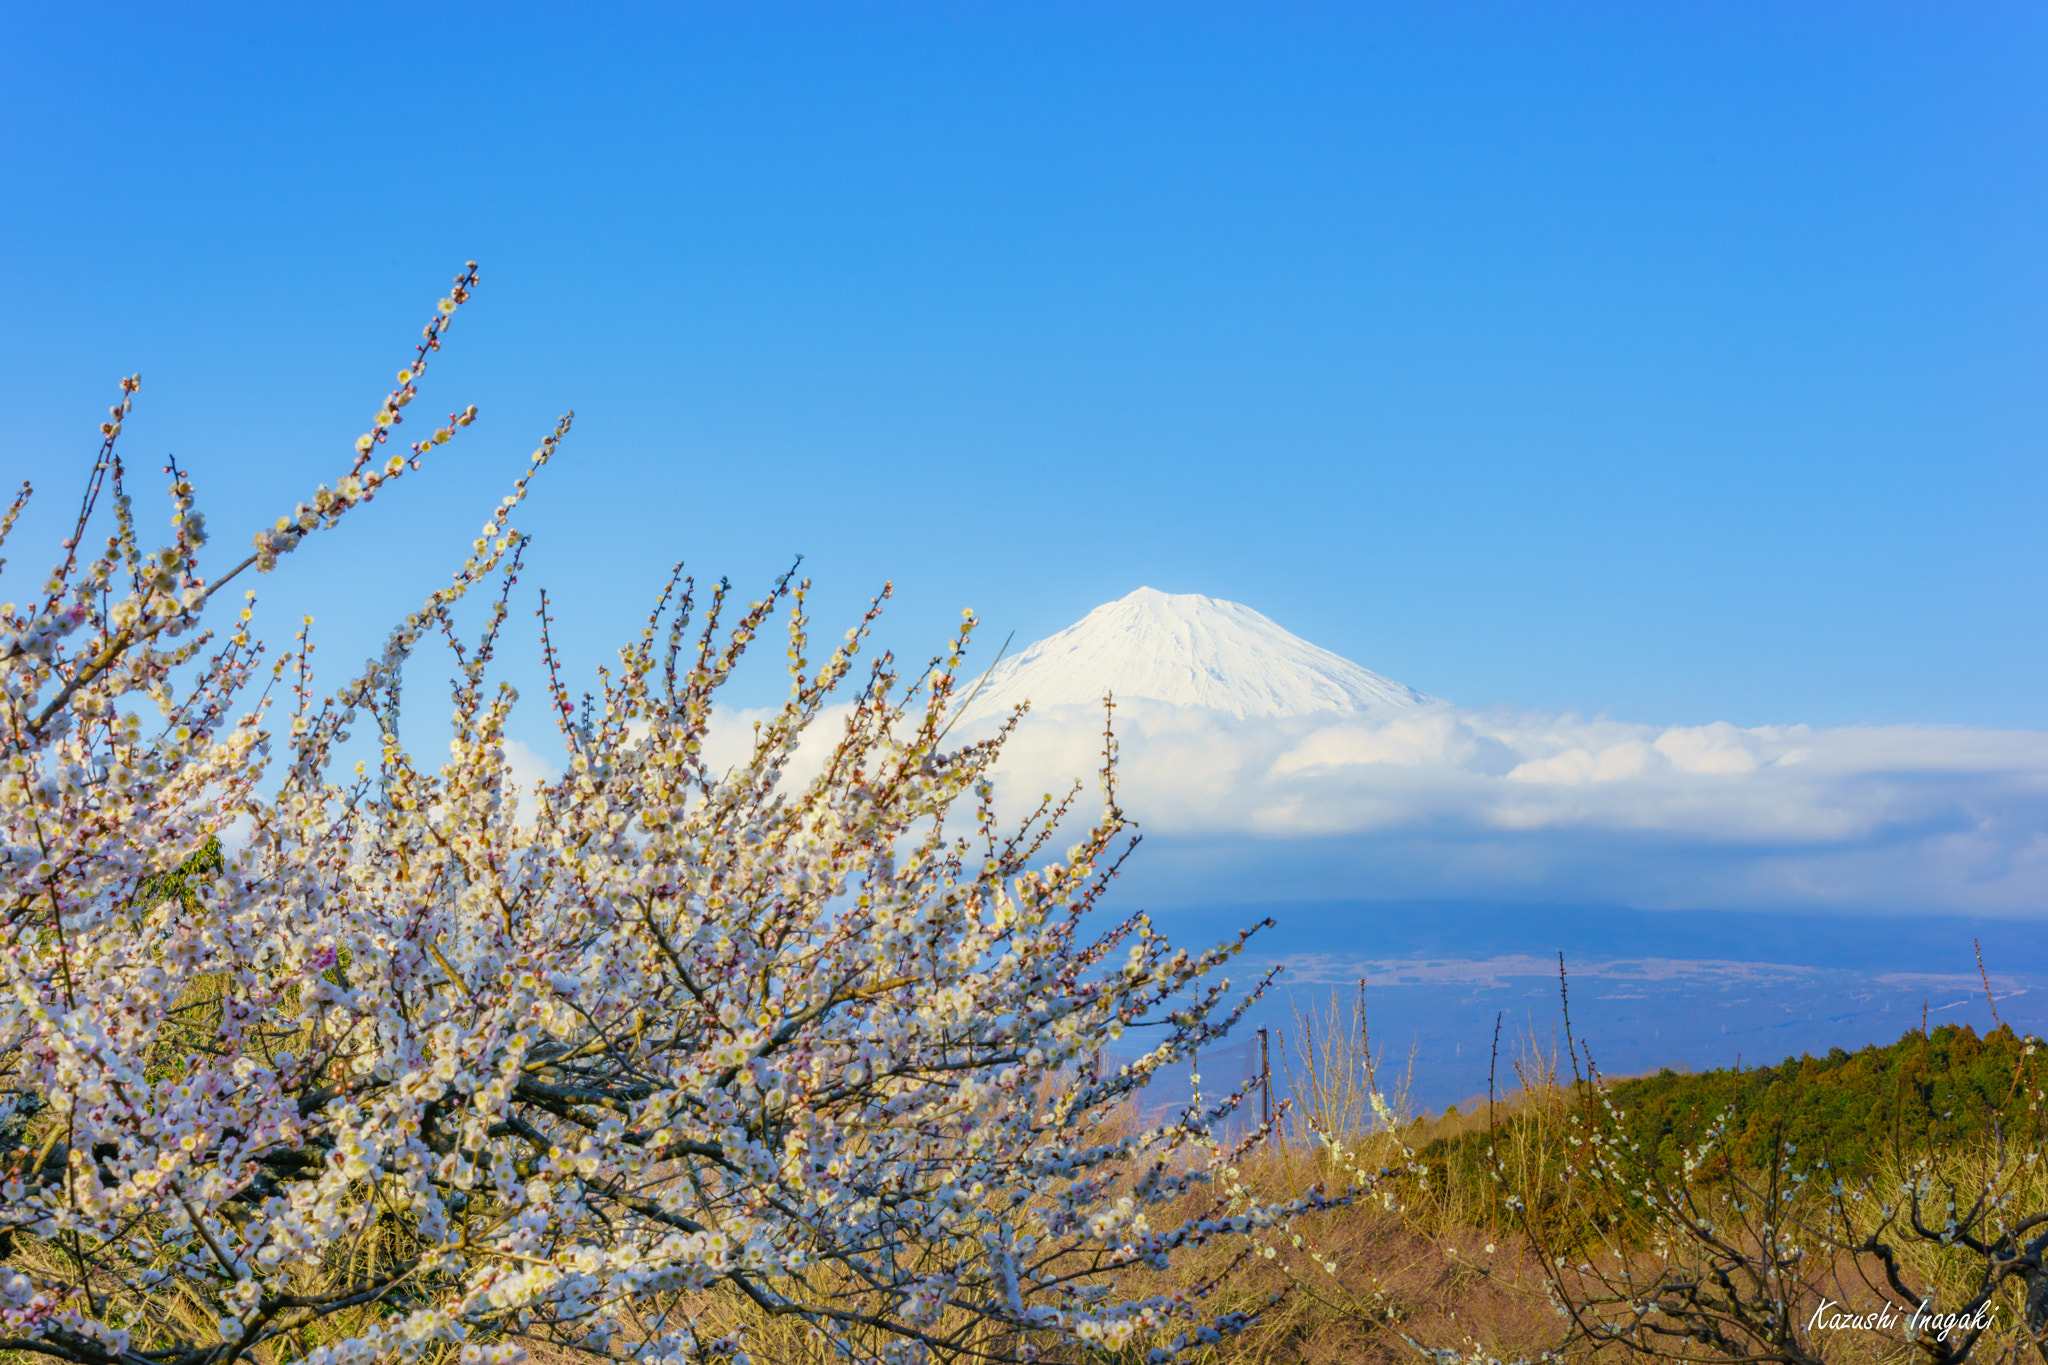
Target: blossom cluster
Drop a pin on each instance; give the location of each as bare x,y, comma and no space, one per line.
425,1065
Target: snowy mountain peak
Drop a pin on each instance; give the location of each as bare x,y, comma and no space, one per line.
1188,650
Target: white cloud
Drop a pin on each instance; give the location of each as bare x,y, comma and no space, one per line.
528,767
1446,803
1453,802
729,741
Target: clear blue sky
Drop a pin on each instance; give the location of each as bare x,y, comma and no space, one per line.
1682,360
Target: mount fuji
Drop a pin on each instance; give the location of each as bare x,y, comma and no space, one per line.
1448,856
1188,650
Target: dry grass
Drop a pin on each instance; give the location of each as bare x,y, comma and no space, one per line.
1366,1281
1433,1259
1418,1261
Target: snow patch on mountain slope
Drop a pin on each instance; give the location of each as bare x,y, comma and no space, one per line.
1266,759
1188,650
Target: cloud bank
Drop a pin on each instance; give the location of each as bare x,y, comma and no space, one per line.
1451,802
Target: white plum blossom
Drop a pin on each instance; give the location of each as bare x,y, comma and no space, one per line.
441,1065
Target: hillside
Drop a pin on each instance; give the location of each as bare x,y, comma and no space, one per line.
1849,1108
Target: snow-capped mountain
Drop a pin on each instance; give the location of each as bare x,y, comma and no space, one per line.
1189,650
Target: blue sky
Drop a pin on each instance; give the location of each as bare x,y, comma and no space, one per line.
1683,362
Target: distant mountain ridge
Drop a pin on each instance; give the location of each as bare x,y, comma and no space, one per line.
1188,650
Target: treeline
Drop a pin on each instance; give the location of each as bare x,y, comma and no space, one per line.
1937,1087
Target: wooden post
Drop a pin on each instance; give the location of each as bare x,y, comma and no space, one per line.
1265,1084
1365,1040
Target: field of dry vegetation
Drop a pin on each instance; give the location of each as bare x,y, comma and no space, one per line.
1535,1227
